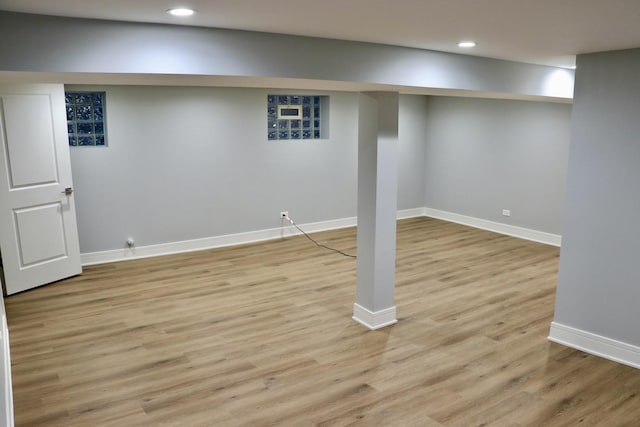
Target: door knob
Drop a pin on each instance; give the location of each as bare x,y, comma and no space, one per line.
67,191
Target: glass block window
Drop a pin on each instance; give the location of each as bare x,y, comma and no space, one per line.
294,117
86,119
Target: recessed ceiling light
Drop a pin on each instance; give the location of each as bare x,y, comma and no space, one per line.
467,44
181,11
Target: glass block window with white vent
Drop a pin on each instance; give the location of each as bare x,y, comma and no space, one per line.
86,119
294,117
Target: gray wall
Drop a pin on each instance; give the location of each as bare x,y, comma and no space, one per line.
46,44
186,163
483,156
412,129
598,289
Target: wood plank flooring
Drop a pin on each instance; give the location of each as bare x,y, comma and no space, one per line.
262,335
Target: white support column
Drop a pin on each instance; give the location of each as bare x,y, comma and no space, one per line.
377,204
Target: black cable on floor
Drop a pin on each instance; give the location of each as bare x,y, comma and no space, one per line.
319,244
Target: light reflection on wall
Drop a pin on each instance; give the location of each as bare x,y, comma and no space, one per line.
559,83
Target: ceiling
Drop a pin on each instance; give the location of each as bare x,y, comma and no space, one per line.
549,32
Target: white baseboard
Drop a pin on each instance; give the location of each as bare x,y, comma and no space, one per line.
410,213
509,230
374,320
91,258
595,344
6,390
286,230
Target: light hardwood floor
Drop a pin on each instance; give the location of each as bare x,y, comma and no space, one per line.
262,335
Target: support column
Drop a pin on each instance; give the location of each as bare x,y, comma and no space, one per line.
377,205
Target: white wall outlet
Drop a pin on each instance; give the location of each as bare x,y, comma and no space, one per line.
284,214
506,212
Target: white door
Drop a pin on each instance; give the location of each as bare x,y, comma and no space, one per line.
38,231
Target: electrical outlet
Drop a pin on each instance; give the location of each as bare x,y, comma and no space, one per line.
506,212
284,214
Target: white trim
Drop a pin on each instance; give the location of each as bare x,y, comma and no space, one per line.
374,320
7,392
314,227
410,213
286,230
509,230
595,344
124,254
